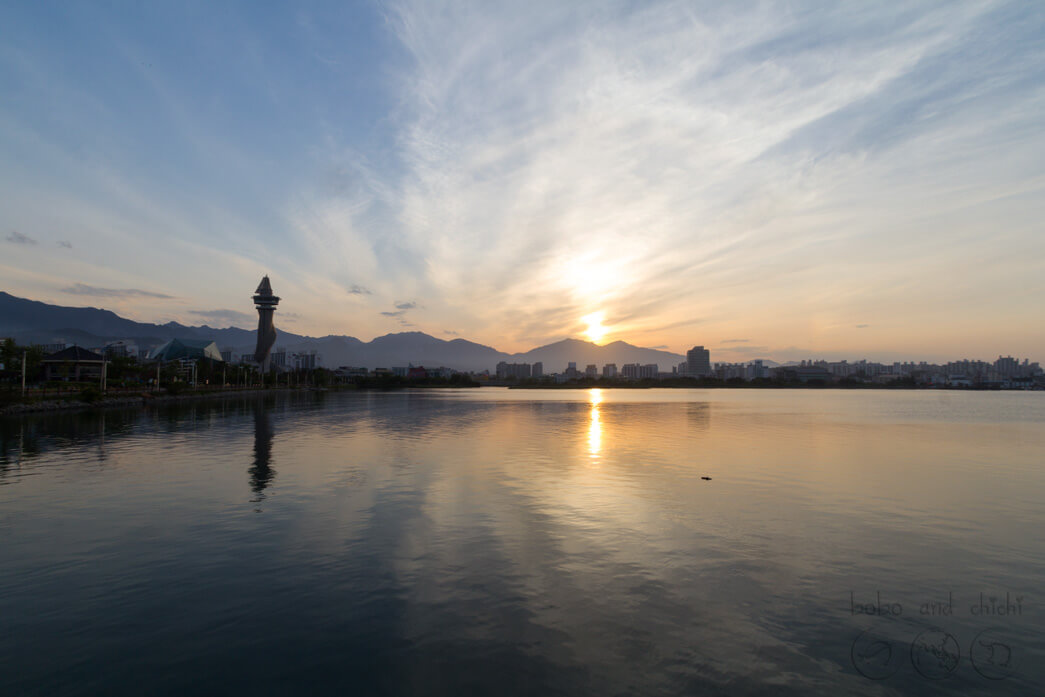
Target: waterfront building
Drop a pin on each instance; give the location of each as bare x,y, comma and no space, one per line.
518,371
591,371
757,369
609,371
52,348
1006,366
191,349
538,370
121,348
73,364
307,360
808,373
698,362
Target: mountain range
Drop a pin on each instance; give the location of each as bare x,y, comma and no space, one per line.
31,321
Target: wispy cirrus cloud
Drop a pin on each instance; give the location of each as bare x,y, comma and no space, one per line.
696,172
95,291
713,161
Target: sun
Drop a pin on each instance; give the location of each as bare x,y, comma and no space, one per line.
595,330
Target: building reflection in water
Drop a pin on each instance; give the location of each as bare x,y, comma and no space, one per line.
595,425
261,472
699,414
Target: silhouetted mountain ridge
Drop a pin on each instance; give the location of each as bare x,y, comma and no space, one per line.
31,321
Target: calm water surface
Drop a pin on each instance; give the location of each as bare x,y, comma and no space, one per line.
528,542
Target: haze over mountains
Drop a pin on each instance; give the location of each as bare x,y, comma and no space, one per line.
31,321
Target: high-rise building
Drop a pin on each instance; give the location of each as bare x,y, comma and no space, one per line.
519,371
757,369
591,371
307,360
609,370
1006,366
52,348
122,348
538,370
698,362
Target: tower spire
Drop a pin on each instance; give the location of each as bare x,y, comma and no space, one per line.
265,302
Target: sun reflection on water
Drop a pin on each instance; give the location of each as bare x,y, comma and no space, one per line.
595,426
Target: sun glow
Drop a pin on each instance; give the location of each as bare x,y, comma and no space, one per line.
595,330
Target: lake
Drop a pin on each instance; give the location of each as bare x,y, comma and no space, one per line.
545,542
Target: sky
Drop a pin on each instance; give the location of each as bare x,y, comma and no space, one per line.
777,180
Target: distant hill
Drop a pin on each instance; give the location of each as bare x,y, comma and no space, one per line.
556,356
392,350
31,321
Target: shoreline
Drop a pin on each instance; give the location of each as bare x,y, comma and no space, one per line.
148,399
142,399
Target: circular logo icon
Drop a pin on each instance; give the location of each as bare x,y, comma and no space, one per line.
992,656
935,654
874,656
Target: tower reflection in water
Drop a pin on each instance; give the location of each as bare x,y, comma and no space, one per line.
595,425
261,472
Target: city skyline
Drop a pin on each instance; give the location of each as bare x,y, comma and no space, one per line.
66,324
771,182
